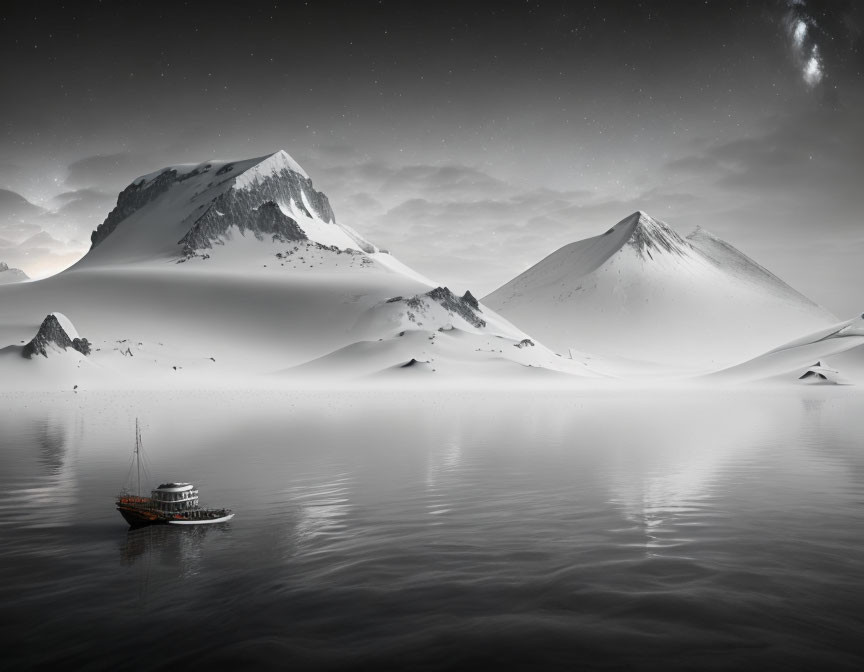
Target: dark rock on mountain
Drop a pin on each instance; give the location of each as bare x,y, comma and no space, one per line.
452,304
51,332
468,298
235,208
135,196
649,234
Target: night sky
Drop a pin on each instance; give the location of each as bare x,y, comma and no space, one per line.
469,141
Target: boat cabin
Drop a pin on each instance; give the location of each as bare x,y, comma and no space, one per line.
174,497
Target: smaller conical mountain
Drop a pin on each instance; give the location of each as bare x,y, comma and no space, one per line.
641,291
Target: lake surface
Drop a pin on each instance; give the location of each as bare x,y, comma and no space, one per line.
652,530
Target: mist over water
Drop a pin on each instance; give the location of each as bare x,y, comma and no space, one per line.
676,530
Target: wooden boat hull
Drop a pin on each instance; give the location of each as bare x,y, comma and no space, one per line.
139,518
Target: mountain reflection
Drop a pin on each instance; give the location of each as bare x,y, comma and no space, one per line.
323,507
42,489
441,464
682,458
52,439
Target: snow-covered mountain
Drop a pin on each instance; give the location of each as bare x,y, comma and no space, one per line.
186,212
209,273
643,292
223,273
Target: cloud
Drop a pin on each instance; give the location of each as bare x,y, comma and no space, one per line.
25,241
14,206
40,254
447,180
77,213
18,216
816,154
107,172
10,170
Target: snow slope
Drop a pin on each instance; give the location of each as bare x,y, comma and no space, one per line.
440,333
642,292
790,360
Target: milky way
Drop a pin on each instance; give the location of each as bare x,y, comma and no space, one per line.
803,32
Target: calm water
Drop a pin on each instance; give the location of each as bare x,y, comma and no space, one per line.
383,531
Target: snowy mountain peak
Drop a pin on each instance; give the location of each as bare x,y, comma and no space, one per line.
56,333
183,211
643,292
273,164
649,236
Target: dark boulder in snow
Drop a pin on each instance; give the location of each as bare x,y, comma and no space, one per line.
56,331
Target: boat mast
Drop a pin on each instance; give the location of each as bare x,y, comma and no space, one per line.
138,453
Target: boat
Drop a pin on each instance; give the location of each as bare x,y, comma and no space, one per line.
168,504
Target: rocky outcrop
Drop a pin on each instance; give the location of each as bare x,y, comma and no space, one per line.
461,306
469,299
242,210
283,186
10,275
54,332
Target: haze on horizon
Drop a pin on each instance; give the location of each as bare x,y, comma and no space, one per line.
469,141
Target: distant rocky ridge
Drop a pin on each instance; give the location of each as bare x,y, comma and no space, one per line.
54,331
10,275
